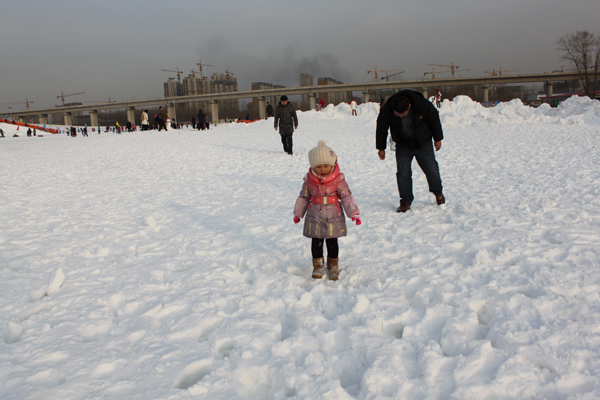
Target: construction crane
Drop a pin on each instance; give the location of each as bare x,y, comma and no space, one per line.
178,72
500,72
23,102
62,96
386,77
202,73
432,73
228,73
451,66
376,71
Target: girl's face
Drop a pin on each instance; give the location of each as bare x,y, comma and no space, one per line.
323,170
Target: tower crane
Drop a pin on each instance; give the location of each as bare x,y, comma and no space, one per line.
432,73
23,102
386,77
451,66
228,73
62,96
178,72
202,73
376,71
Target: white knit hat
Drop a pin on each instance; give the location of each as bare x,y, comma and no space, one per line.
322,155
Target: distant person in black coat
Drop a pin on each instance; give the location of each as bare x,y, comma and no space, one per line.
201,116
269,110
286,119
161,119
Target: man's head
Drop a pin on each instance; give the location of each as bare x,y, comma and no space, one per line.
284,99
160,108
401,106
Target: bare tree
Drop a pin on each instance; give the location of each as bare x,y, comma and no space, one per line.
582,49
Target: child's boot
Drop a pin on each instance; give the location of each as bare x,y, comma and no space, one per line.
318,268
332,268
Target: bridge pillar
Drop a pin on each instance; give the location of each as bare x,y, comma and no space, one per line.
367,96
312,100
424,91
94,118
43,119
214,110
262,113
549,88
130,115
170,111
486,92
68,120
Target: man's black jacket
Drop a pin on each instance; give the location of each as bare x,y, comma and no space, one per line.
426,121
286,118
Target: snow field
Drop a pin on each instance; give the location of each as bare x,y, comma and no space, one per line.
167,265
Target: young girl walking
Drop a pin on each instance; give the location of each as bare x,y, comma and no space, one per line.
323,191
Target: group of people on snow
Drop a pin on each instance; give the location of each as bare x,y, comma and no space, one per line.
416,131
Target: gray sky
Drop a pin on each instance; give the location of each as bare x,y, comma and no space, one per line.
116,49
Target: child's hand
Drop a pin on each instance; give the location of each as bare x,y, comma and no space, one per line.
296,219
357,219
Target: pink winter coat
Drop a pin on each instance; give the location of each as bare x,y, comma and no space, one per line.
324,219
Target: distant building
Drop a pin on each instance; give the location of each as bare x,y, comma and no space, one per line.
332,97
172,88
306,80
274,100
193,85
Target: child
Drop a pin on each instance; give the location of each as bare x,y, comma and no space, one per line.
323,189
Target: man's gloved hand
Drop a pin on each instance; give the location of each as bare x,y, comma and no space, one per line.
296,219
357,220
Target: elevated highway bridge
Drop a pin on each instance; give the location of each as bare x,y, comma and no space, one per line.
421,85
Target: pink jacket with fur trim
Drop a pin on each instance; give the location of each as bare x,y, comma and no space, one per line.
320,200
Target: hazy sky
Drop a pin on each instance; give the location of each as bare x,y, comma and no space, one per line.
116,49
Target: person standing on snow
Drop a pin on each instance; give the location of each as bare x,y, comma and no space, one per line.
323,196
269,110
413,121
287,120
161,119
438,98
145,120
353,107
201,118
323,104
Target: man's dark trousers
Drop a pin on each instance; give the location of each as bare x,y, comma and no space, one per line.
426,160
286,140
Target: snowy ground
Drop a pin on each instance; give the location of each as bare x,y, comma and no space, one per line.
167,266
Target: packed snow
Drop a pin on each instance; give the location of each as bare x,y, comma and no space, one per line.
166,265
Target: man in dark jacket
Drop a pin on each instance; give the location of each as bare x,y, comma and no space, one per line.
287,120
201,116
413,121
269,110
161,119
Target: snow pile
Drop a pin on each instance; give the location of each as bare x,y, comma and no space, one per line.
574,111
166,264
